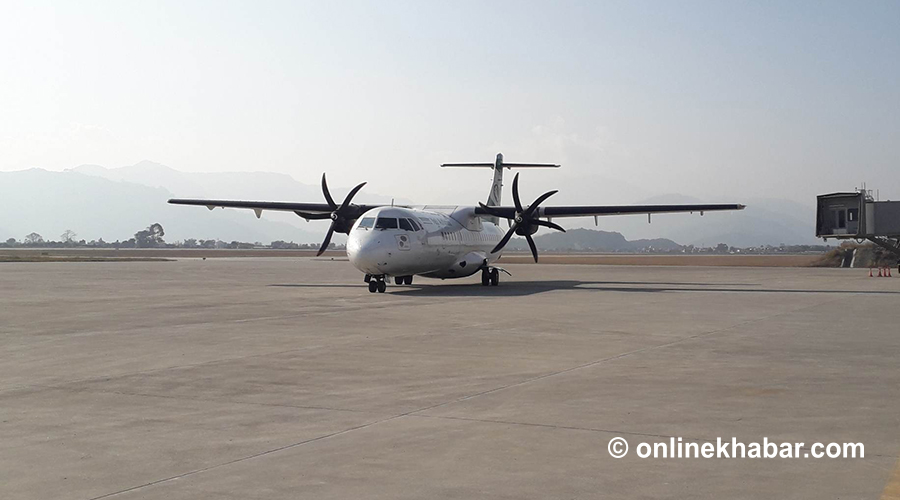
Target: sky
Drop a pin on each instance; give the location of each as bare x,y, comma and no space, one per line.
719,100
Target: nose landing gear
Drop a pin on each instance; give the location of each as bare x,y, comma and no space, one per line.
376,283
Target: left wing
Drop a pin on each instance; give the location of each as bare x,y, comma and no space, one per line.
598,210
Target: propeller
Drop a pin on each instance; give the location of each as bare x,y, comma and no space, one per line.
525,223
342,216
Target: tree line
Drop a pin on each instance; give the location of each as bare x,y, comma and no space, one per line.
150,237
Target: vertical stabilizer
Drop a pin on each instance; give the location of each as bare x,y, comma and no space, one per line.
497,184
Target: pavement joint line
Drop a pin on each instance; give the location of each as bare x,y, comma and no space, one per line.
245,458
625,354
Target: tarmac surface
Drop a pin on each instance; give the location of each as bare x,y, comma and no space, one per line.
285,378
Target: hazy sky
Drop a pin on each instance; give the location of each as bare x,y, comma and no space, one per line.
741,99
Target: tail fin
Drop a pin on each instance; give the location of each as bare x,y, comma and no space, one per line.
498,166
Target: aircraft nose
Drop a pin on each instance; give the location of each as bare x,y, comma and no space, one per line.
367,252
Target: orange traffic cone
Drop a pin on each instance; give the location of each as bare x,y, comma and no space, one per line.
870,273
880,274
888,272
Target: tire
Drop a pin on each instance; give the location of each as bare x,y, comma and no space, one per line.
408,280
382,286
398,280
485,278
495,277
373,286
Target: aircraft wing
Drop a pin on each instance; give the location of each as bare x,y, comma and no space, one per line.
598,210
305,210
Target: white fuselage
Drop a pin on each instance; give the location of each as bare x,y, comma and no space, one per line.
436,242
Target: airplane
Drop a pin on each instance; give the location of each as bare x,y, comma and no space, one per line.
441,242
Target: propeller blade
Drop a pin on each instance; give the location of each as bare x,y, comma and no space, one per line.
533,248
327,194
516,193
534,206
350,196
327,241
489,210
312,216
549,224
506,237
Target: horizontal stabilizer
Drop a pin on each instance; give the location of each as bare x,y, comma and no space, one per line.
505,165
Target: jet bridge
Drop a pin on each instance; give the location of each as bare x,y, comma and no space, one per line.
859,216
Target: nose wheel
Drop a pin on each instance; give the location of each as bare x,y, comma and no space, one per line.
377,284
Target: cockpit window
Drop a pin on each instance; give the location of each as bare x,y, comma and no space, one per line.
366,223
405,225
386,223
415,224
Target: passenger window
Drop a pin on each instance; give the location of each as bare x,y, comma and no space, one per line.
386,223
405,225
366,223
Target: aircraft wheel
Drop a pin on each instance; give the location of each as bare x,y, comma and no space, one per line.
485,277
373,286
382,286
398,280
407,280
495,277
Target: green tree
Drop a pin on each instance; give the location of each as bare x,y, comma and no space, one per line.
150,237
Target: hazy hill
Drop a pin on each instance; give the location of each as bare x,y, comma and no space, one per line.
588,240
48,203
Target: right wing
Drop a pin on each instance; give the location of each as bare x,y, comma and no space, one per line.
305,210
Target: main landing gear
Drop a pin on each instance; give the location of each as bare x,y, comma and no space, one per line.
403,280
377,282
490,276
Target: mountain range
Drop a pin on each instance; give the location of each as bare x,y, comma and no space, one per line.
587,240
114,203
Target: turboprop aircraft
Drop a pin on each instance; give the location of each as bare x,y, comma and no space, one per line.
441,241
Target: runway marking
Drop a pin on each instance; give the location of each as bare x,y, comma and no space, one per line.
892,488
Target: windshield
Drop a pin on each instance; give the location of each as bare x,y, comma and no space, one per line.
386,223
366,223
